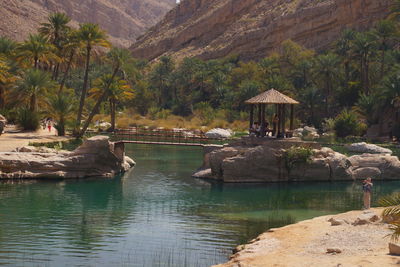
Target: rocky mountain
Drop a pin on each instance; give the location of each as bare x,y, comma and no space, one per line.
253,28
124,20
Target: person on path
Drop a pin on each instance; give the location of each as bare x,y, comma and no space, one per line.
49,124
367,189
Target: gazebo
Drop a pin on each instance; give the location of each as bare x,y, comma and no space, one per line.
280,101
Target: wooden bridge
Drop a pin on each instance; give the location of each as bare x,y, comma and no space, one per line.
147,136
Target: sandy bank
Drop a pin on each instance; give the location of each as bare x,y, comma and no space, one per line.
11,140
306,243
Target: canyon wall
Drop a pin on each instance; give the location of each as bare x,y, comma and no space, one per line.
253,28
123,20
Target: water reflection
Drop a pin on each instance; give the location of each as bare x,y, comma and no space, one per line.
155,215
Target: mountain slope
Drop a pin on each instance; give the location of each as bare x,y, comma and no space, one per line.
253,28
124,20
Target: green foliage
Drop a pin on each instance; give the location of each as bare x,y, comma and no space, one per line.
28,120
204,112
347,123
296,156
392,213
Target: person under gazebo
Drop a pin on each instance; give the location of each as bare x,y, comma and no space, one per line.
275,122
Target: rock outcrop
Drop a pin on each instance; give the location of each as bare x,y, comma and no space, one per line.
265,162
123,20
251,28
96,157
218,133
368,148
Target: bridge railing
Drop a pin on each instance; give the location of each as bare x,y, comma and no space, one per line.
173,136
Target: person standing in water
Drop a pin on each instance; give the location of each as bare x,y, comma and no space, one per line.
367,189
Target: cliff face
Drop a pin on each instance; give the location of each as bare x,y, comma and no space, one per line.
253,28
124,20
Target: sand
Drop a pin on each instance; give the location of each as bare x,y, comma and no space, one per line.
12,138
306,243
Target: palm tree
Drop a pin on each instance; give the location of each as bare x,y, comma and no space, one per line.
36,49
71,48
7,46
33,84
326,70
384,31
61,107
160,79
119,59
6,80
392,211
364,45
119,90
366,107
344,50
91,35
56,30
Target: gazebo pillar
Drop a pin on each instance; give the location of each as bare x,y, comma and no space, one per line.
291,116
259,114
280,119
251,116
283,120
263,126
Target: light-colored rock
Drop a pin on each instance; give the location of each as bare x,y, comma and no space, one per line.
218,133
368,148
102,125
95,157
203,173
298,132
363,173
394,249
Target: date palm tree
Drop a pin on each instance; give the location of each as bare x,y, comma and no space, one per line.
392,211
36,49
6,80
34,83
61,108
119,90
364,46
90,35
119,59
385,31
7,46
56,30
326,70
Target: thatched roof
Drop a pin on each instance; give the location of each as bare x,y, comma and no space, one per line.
271,97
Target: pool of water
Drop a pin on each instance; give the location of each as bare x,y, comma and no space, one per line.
154,215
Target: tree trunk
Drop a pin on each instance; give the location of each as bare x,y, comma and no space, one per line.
84,90
32,105
2,97
382,64
71,57
98,103
35,62
113,113
61,127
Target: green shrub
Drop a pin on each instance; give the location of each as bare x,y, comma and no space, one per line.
205,112
347,123
163,114
28,119
396,131
296,156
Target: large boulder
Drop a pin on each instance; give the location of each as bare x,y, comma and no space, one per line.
219,133
368,148
97,156
216,158
380,166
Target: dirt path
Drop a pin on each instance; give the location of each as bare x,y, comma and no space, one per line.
12,139
306,243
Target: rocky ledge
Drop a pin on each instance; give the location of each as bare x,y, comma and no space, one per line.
355,238
253,161
97,156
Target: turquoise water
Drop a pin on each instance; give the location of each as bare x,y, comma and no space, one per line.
155,215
